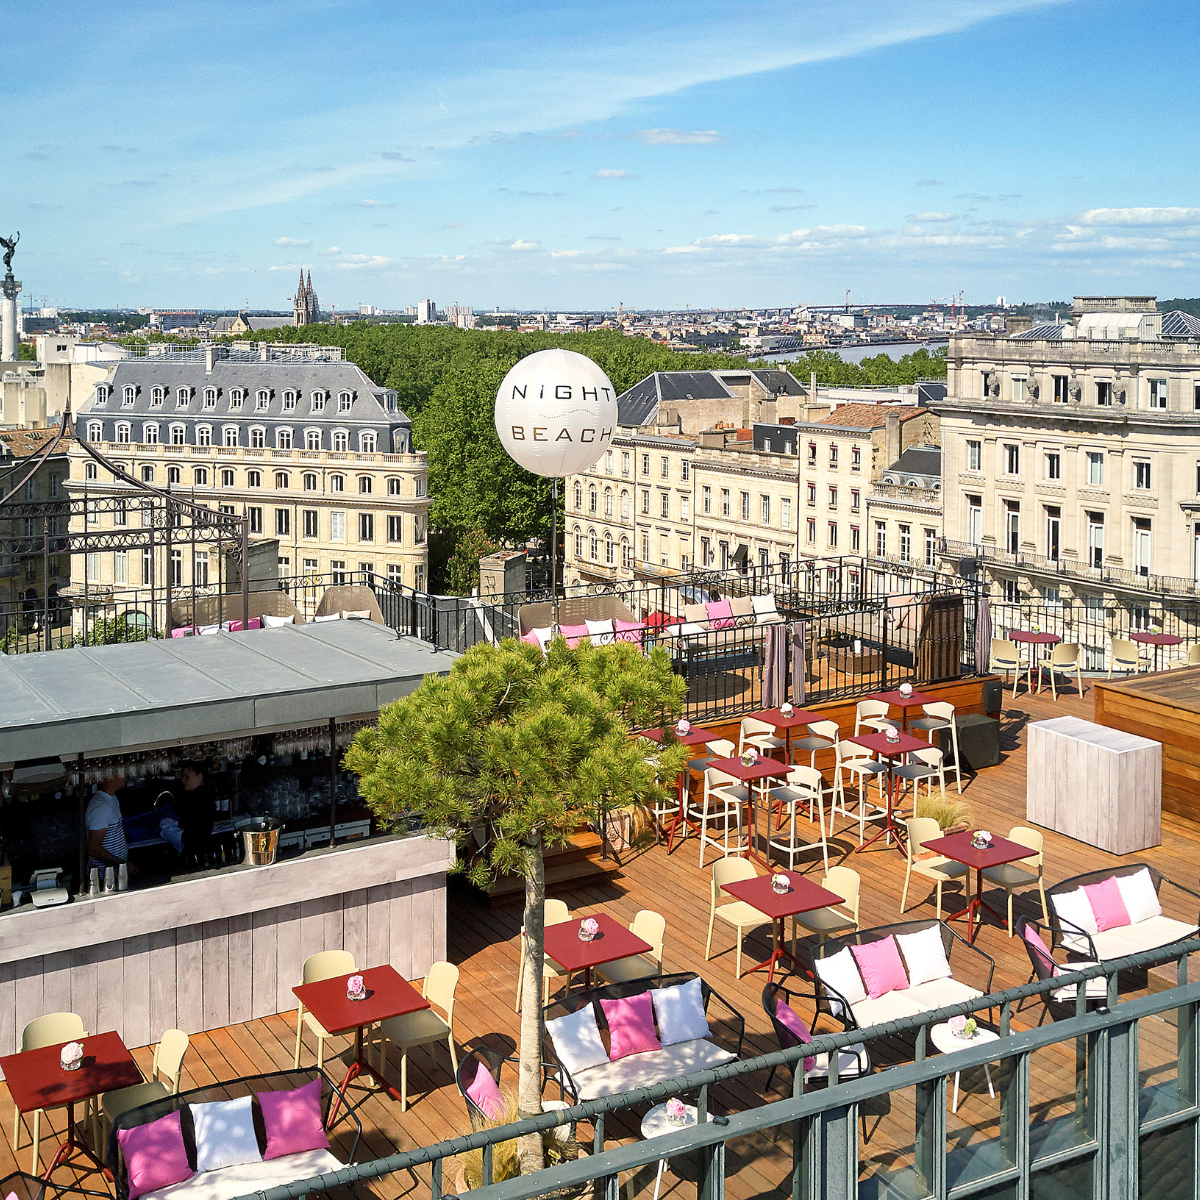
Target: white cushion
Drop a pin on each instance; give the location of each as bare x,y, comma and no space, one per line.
840,972
1145,935
543,636
1076,910
601,632
203,629
764,606
690,628
247,1178
680,1013
577,1040
337,616
891,1006
225,1134
938,993
1138,895
924,955
852,1060
356,614
274,622
651,1066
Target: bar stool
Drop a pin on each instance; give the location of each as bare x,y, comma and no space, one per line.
822,735
940,715
858,761
759,734
724,799
926,765
803,784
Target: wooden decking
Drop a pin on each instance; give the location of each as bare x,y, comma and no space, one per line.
483,942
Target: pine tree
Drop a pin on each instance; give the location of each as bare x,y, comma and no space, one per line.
514,750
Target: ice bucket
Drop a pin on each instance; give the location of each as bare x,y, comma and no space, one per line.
262,844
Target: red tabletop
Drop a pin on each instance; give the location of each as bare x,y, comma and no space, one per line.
800,716
958,847
901,700
804,895
36,1078
880,743
389,994
1156,639
1039,639
693,737
761,768
572,953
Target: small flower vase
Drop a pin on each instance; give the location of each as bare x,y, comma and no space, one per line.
786,710
906,689
355,989
588,930
71,1056
780,884
676,1113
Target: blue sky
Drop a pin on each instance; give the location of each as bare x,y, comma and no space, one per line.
564,155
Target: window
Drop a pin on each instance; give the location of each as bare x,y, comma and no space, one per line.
366,527
1053,464
723,547
262,400
1158,393
578,494
1061,383
94,431
255,514
1012,460
664,467
833,455
1010,591
200,568
1012,526
609,554
812,495
624,462
254,479
283,522
210,397
745,506
367,442
89,470
974,519
627,555
364,485
128,396
705,552
312,439
1196,396
200,477
855,499
645,502
685,467
608,462
724,502
624,506
177,568
645,547
812,454
310,481
229,435
150,434
102,393
974,454
53,487
1104,396
785,512
283,439
258,437
228,509
855,458
666,505
395,529
182,396
147,474
344,402
1141,546
337,526
685,508
880,539
833,534
120,513
309,567
833,497
178,435
337,483
1053,530
123,431
931,543
855,539
337,570
227,478
765,509
157,396
318,401
592,499
608,502
578,543
645,464
706,499
1095,459
203,435
811,531
593,545
289,401
905,542
1141,474
282,479
1018,389
173,475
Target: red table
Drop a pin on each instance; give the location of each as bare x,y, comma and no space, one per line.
563,944
757,772
693,737
799,717
1157,640
878,743
388,994
959,847
36,1079
903,702
1027,637
803,896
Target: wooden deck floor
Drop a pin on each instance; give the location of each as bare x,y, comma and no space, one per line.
483,942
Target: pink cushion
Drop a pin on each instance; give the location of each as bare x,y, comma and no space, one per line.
235,626
630,631
787,1016
881,967
485,1093
630,1026
293,1120
184,631
1106,902
254,623
1035,940
155,1155
574,634
720,614
531,638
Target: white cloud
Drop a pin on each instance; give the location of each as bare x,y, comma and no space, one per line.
373,204
565,253
611,174
678,137
1141,216
334,250
287,241
930,216
525,244
286,267
360,262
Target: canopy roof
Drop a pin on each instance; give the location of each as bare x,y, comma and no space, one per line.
107,699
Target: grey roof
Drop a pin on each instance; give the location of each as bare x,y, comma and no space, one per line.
919,460
1179,324
638,405
109,698
1049,331
269,322
775,380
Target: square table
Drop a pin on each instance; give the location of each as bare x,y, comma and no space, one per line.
693,737
388,994
959,847
802,896
757,772
1157,640
1029,638
36,1079
879,743
800,717
563,944
899,700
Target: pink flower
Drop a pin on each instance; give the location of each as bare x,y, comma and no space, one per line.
957,1024
354,985
590,925
675,1108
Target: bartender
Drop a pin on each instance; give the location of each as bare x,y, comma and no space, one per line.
197,812
106,831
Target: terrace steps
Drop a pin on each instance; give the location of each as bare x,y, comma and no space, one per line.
578,864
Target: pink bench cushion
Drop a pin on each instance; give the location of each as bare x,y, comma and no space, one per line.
155,1156
630,631
881,967
1107,904
485,1093
787,1016
293,1120
630,1026
574,634
720,614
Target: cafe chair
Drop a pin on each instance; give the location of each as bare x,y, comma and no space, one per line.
924,765
650,927
822,735
804,785
554,912
940,715
1043,967
49,1030
328,964
168,1062
873,714
857,760
1062,659
719,748
937,867
1025,872
1192,659
724,800
424,1027
759,734
1006,657
833,919
738,913
1125,656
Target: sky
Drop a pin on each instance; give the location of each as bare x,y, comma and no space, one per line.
559,156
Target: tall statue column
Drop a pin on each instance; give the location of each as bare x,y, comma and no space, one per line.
9,290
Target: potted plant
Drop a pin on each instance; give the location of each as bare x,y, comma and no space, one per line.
952,815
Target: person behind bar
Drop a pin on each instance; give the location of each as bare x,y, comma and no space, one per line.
197,812
106,832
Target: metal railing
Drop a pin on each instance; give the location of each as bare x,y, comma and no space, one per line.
1095,1144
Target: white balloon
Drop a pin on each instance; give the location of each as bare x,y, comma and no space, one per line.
556,413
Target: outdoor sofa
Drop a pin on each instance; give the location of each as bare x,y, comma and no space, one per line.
666,1032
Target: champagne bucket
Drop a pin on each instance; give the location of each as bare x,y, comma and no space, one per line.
261,846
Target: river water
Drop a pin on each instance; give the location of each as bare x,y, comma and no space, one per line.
856,354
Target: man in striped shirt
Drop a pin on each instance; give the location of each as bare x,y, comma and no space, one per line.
106,833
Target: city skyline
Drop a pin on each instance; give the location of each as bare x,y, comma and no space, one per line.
708,156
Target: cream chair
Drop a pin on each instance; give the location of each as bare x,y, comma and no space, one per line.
826,922
873,714
554,912
759,734
1063,659
1025,872
1006,656
924,765
424,1027
718,748
738,913
857,760
328,964
804,785
937,868
940,715
46,1031
1192,659
168,1062
1125,656
650,927
724,800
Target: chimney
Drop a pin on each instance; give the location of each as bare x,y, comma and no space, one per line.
262,351
891,438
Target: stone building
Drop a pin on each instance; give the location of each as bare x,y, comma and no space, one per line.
305,308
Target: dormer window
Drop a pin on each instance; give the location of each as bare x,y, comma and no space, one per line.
182,396
210,397
393,402
236,396
102,393
157,396
262,400
318,401
344,401
289,401
128,396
